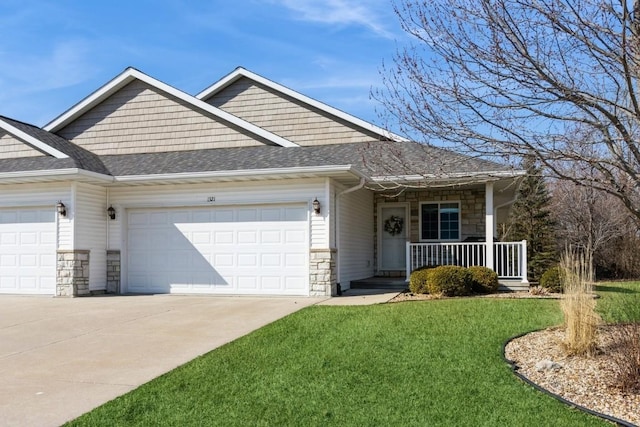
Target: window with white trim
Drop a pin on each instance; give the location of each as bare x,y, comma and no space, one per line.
440,221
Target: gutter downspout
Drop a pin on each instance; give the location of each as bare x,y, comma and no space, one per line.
338,221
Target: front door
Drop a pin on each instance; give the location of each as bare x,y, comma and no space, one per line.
392,231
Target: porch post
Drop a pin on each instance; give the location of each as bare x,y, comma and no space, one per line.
489,224
523,252
408,260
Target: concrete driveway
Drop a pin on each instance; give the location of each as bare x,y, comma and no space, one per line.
60,358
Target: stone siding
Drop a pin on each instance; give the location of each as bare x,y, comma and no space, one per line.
72,273
322,272
113,272
472,212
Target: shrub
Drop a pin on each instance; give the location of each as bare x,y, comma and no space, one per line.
449,280
626,360
552,279
418,279
483,280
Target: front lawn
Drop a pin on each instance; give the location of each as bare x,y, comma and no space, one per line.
412,363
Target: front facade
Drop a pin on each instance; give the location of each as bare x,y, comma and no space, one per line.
247,188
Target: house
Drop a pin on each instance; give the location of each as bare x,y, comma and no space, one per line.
246,188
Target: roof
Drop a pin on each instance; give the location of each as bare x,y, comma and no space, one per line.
377,161
61,153
362,158
393,159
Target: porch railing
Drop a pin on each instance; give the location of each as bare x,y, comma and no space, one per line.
509,258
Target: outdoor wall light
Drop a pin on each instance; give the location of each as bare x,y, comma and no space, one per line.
316,206
62,209
111,212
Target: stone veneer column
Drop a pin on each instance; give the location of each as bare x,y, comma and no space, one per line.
322,272
113,272
72,273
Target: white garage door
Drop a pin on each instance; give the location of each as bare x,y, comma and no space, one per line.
236,250
27,251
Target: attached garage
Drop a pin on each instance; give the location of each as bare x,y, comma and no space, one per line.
253,250
28,251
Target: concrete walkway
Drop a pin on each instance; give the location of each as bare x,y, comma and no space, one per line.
60,358
361,297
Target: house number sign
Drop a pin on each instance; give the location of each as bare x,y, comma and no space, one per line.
211,199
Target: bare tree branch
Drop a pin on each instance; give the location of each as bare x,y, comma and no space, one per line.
507,78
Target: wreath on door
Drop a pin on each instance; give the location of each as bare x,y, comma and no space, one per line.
393,225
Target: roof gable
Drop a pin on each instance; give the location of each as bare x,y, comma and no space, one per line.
13,148
21,132
218,89
130,75
139,118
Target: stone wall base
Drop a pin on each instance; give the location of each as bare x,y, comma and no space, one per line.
113,272
72,273
322,272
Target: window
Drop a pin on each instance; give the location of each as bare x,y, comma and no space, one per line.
440,221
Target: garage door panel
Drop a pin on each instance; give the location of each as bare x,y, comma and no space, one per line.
28,238
8,238
48,260
27,251
223,237
271,283
8,283
274,214
271,260
294,284
247,215
28,282
294,236
247,238
229,250
295,214
247,283
271,237
294,260
222,215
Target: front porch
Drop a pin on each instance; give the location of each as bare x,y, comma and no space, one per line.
446,226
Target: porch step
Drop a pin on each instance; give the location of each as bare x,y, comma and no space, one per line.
512,285
390,283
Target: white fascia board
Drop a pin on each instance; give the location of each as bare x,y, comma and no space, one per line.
30,140
320,170
69,173
242,72
90,101
131,74
477,176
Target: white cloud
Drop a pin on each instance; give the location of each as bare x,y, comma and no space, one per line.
364,13
67,64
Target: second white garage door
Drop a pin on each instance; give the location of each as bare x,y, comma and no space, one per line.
28,251
261,250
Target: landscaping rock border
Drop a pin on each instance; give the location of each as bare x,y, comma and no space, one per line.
584,382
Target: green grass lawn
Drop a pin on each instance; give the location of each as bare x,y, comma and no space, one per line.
412,363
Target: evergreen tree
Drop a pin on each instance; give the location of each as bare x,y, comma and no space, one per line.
530,219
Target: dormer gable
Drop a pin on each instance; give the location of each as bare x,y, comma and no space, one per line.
288,113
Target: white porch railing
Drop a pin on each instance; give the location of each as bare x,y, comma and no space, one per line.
509,258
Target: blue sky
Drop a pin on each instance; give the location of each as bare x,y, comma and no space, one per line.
54,53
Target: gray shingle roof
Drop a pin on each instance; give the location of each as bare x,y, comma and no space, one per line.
78,156
374,159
